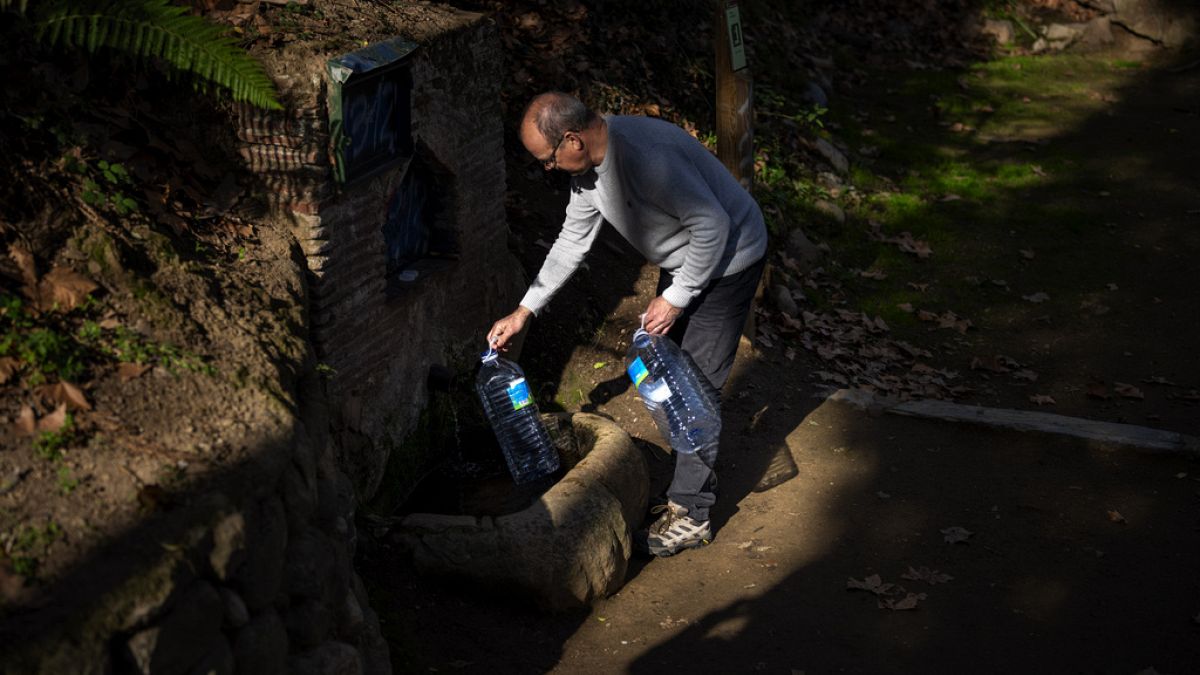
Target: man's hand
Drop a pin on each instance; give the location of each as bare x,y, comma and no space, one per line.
660,316
504,330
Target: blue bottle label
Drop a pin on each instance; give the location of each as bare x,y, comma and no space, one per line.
637,371
518,393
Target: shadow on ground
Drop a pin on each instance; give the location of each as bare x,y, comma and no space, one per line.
1080,557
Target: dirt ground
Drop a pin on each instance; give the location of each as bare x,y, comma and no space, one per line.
1079,557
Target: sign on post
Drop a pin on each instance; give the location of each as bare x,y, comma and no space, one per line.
737,46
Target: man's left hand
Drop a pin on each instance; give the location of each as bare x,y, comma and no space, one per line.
661,315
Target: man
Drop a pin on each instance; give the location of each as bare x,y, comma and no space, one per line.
681,209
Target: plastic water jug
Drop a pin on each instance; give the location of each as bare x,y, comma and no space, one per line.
680,400
514,417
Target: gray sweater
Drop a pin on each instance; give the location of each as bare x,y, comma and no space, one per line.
670,198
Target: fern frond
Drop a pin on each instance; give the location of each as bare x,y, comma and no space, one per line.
156,29
6,5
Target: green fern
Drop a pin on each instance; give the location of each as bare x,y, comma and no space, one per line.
153,29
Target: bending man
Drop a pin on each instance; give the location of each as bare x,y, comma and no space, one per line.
680,208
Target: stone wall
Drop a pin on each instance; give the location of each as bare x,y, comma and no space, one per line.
252,570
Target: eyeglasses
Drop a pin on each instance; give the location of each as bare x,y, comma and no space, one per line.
552,161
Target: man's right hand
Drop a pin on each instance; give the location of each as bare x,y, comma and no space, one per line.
504,330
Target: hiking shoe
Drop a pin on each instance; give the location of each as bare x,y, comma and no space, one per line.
673,532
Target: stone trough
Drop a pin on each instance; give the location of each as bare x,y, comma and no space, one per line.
567,549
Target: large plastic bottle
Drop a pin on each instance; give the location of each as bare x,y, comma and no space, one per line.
679,398
514,417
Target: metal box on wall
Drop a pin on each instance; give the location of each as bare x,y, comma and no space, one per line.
370,109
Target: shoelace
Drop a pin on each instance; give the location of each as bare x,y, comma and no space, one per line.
666,523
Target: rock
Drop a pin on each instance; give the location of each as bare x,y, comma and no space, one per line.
350,614
310,565
218,661
1159,22
183,637
236,614
1001,30
373,648
1063,35
1097,33
262,646
309,623
834,156
800,247
331,658
258,578
299,497
814,95
566,550
782,295
1039,45
830,209
229,545
828,179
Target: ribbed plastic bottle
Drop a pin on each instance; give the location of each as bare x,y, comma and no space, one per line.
514,417
682,403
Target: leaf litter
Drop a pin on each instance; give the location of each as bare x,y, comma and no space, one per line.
887,595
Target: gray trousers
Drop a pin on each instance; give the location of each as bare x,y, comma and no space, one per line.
708,332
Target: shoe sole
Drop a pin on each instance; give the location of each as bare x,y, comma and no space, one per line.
665,552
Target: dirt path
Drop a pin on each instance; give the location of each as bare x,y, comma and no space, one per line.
1079,558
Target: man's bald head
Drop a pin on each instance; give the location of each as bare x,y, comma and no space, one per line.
554,113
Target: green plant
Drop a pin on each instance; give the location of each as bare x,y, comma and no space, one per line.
151,29
30,542
49,444
45,349
66,481
109,192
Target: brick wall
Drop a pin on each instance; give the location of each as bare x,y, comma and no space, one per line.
380,342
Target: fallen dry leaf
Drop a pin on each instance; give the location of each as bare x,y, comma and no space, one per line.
909,601
1027,254
1025,374
64,393
24,260
1115,516
873,584
63,288
886,594
931,577
26,422
12,585
1042,399
1128,391
55,420
1098,390
956,534
996,364
1036,298
8,366
1159,379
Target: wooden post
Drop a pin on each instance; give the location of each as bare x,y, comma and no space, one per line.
735,114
